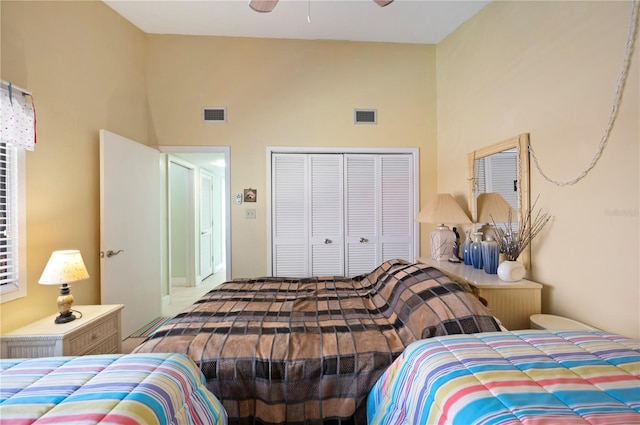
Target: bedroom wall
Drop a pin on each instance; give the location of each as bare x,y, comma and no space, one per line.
288,93
85,66
550,69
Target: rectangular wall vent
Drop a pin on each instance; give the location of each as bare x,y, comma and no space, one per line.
214,114
365,116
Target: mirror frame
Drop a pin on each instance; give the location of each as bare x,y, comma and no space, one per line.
521,144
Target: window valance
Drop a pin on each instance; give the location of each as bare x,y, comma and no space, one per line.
17,117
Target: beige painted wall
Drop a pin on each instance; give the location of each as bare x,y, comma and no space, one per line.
550,69
90,69
288,93
85,65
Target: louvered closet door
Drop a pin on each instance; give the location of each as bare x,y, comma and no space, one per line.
362,203
290,250
326,214
379,210
397,220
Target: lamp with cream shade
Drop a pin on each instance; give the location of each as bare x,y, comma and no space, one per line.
493,208
442,208
63,268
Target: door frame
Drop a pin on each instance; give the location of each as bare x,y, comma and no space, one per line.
225,150
271,150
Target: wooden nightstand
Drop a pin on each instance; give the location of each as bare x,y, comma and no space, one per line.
96,332
511,302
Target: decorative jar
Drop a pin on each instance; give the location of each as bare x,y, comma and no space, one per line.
466,250
490,255
511,271
476,250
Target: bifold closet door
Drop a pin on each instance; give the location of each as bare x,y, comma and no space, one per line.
378,210
307,219
340,214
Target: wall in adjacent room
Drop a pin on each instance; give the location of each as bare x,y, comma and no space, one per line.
550,69
85,65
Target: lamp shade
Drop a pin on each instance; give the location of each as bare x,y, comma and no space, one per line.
492,207
442,208
263,6
64,267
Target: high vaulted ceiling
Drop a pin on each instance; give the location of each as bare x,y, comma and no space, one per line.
402,21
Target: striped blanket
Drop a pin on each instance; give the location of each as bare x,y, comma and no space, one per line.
522,377
307,351
106,389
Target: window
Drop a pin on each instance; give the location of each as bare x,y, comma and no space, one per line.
17,134
13,283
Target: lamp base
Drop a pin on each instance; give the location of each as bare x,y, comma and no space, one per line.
442,239
65,317
65,301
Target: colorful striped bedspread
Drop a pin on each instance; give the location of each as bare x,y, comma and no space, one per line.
520,377
106,389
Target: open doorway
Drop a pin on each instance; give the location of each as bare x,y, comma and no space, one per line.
197,231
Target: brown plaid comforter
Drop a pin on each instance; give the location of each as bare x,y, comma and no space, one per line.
307,351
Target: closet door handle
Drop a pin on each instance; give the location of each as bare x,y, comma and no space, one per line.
327,241
364,240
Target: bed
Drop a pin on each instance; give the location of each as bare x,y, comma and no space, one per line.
520,377
307,351
106,389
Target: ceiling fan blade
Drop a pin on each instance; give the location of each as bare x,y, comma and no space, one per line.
383,3
263,6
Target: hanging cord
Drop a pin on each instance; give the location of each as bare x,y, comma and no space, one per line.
622,78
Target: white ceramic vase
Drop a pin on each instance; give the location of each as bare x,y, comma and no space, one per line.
511,271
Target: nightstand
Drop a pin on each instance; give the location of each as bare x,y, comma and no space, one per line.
96,332
511,302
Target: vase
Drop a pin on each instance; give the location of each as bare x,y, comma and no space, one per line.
476,251
511,271
466,250
490,256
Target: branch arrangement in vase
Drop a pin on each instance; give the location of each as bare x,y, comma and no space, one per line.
512,242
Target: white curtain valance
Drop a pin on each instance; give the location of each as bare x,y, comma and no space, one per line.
17,119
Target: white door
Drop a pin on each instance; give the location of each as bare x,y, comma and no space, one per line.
362,206
130,228
289,225
206,225
326,238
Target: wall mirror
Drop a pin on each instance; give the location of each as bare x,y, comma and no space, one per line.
504,168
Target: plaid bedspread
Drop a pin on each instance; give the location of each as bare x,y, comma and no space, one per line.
150,389
307,351
520,377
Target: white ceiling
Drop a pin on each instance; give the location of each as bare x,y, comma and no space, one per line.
403,21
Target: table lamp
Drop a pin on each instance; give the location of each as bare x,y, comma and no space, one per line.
442,208
63,268
493,208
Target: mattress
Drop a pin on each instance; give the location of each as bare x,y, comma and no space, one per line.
106,389
520,377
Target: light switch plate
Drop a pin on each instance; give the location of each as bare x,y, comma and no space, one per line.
250,213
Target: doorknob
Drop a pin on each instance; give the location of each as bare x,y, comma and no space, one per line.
327,241
363,240
111,253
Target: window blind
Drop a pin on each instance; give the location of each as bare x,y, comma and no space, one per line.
8,217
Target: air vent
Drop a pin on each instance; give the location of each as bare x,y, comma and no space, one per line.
365,116
214,114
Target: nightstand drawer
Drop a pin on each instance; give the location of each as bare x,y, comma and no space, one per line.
87,338
106,346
